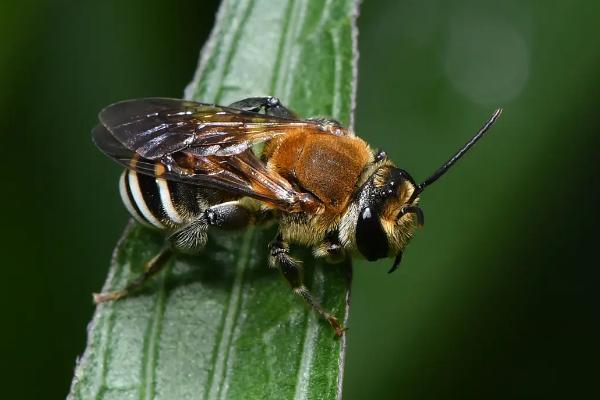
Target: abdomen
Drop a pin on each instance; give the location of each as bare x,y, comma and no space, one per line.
161,204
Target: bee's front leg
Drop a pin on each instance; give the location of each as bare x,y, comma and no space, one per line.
331,249
291,270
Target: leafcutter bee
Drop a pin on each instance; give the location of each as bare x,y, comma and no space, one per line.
191,167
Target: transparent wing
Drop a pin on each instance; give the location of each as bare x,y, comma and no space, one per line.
155,127
242,174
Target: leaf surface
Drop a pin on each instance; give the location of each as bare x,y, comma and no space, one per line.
222,325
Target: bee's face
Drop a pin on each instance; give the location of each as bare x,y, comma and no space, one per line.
387,215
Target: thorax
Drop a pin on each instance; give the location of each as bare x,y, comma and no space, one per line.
322,164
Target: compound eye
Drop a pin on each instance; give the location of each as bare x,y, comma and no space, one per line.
380,155
371,239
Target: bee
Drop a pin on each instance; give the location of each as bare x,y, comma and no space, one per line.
192,167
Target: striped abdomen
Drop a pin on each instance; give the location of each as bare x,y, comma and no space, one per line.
159,203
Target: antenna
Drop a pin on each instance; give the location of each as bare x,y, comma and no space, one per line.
446,166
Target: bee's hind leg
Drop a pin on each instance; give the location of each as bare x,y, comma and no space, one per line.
153,266
231,215
270,105
189,239
291,270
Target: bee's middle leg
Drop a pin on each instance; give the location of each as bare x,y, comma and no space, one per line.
291,270
270,105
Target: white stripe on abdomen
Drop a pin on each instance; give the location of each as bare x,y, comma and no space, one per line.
127,201
134,186
167,202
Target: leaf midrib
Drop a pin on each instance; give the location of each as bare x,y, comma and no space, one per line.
223,349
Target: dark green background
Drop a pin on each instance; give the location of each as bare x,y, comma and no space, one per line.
497,296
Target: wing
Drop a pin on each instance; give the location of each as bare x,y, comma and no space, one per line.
155,127
241,173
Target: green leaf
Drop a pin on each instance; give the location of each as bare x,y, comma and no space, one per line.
221,324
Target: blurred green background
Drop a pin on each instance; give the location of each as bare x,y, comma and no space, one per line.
497,296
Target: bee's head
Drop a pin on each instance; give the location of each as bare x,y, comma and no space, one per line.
387,212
